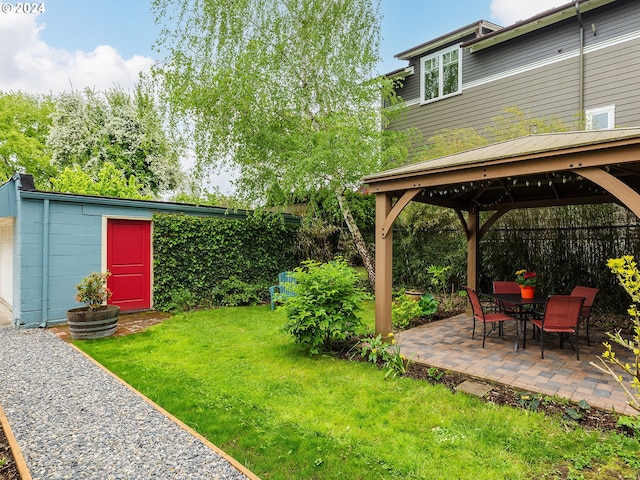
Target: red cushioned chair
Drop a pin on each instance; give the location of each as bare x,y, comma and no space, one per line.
589,294
479,315
561,316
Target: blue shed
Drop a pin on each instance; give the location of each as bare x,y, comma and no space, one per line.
49,241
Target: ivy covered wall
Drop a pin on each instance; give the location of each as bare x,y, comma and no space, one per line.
195,255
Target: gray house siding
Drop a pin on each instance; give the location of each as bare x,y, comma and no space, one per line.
548,91
612,77
521,52
540,73
410,89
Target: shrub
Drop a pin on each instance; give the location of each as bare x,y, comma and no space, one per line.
428,304
387,351
93,291
626,270
181,301
403,311
233,292
324,310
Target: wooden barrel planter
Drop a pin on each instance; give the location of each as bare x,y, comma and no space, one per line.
87,324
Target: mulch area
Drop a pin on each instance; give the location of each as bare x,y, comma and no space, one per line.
8,468
505,395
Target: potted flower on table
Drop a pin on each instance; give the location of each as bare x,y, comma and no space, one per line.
527,281
96,319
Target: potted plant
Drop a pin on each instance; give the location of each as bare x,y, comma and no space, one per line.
96,319
527,281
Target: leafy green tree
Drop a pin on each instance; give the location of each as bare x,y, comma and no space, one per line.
283,90
110,182
24,126
91,129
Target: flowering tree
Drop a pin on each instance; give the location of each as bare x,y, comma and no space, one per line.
92,128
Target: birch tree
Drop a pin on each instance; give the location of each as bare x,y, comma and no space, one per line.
283,91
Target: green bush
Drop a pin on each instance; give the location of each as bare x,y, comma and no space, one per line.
428,304
324,310
233,292
208,256
403,311
387,352
181,301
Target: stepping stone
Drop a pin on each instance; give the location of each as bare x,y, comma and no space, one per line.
474,388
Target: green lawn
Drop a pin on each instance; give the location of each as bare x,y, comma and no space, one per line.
235,378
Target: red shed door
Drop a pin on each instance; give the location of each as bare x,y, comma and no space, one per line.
129,261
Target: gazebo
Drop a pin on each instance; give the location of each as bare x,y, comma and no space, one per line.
542,170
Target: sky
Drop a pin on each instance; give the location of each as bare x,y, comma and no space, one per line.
75,44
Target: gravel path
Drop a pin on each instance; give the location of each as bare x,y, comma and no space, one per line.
72,420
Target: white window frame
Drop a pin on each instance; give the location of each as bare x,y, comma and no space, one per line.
610,110
439,55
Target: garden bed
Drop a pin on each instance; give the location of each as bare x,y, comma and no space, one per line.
8,468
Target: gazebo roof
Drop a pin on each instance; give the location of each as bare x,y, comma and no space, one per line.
532,171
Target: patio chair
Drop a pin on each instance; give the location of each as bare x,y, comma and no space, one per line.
589,294
506,287
282,290
561,315
480,316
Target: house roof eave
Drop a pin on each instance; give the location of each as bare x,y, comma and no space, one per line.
541,20
447,39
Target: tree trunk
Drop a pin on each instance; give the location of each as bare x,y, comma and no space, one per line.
361,246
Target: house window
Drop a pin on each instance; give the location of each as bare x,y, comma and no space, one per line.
599,118
441,74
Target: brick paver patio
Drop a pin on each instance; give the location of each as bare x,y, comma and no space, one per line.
447,344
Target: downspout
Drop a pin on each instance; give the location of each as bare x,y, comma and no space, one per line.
45,263
581,68
17,252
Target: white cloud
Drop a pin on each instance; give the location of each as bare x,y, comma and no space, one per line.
28,64
507,12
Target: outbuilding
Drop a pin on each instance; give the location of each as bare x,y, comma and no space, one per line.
49,241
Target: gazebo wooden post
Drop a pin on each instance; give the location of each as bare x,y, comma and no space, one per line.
384,256
473,247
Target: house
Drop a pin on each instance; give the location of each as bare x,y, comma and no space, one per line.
583,56
49,241
577,61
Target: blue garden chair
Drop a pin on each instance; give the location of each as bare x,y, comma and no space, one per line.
282,290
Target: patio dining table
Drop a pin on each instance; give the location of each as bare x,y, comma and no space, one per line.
524,307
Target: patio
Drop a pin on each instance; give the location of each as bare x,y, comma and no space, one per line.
447,344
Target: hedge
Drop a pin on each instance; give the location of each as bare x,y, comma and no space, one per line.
195,254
